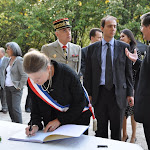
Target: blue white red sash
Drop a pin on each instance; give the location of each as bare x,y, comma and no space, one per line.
47,98
50,101
90,105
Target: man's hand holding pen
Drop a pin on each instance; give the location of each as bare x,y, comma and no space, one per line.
31,130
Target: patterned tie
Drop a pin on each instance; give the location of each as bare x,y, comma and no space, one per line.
65,53
108,70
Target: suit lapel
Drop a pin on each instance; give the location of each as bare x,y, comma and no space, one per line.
99,50
116,49
13,62
58,49
69,50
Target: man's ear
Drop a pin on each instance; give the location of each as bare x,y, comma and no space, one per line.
102,28
49,67
56,33
92,38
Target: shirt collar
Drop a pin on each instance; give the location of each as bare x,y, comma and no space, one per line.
61,45
111,42
2,58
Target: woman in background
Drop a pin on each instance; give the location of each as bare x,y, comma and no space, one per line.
15,79
127,36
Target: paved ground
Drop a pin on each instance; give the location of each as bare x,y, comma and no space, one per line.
140,135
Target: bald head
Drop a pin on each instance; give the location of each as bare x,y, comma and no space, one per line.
2,52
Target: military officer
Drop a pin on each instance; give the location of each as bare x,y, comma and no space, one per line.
62,50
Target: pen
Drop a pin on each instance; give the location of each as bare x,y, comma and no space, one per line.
30,129
104,146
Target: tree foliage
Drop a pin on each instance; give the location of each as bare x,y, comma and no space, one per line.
30,22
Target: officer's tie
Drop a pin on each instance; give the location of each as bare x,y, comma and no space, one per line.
65,53
65,50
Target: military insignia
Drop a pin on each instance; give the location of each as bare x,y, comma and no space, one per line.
54,56
75,55
65,54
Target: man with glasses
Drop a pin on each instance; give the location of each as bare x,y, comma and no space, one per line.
142,93
108,80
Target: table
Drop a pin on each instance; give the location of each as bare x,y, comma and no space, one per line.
84,142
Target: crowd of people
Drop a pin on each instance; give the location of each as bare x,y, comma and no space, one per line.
115,81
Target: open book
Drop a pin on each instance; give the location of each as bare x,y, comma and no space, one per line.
64,131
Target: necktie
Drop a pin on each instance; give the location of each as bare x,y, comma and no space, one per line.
64,50
65,53
0,61
108,70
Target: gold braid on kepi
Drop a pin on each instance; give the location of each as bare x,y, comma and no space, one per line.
61,23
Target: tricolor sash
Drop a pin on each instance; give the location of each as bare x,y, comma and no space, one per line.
50,101
47,98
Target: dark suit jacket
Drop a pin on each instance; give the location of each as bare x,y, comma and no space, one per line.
122,72
142,94
66,89
83,59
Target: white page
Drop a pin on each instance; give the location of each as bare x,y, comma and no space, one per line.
68,130
71,130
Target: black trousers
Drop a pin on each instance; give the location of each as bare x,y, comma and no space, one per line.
107,110
28,102
147,134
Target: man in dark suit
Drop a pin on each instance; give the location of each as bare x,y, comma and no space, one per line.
109,91
142,93
95,35
3,63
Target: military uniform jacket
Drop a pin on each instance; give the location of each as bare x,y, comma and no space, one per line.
55,52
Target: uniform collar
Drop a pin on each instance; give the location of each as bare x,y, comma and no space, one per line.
61,45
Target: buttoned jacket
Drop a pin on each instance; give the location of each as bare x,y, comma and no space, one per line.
122,72
17,74
55,52
83,59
